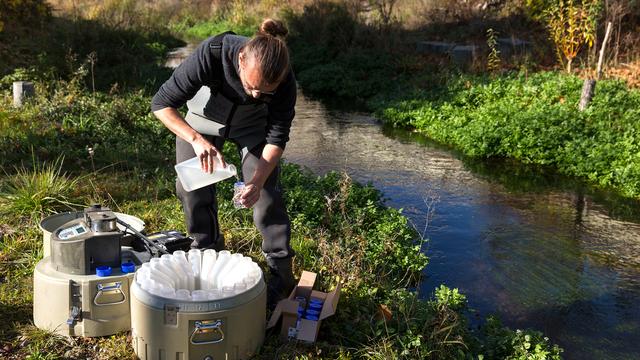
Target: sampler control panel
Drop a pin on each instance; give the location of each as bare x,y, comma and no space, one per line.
72,231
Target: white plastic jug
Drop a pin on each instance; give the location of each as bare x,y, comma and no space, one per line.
192,177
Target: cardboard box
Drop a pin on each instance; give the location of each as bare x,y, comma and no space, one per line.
287,309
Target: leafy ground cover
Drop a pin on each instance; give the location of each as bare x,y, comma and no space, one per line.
73,145
340,230
533,119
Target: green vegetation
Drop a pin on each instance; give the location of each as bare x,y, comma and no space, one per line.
52,47
340,230
84,139
44,188
532,119
572,25
528,116
201,30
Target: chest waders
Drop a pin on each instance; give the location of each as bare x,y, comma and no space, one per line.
219,118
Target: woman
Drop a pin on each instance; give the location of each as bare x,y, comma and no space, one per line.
242,90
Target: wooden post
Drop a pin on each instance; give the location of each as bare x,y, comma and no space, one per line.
587,93
601,57
589,85
22,90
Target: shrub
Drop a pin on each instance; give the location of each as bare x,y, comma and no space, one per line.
532,119
503,343
572,24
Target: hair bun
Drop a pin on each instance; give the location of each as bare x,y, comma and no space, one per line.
273,27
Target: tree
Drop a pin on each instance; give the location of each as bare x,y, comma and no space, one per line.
572,24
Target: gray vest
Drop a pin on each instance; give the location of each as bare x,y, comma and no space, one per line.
219,116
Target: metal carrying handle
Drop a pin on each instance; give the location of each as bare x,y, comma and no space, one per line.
204,326
117,286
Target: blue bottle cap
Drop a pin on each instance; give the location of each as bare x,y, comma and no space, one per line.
311,317
103,271
316,301
239,183
315,306
128,267
312,312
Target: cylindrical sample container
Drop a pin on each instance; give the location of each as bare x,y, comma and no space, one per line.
231,327
80,305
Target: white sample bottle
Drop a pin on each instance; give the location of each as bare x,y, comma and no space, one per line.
183,294
179,275
223,257
195,259
199,295
238,272
192,177
224,271
214,294
208,261
180,257
160,271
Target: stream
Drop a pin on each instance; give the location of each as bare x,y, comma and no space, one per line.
537,249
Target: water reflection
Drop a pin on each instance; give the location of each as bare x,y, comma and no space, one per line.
176,56
541,250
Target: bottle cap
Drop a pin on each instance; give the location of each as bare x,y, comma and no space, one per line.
239,183
103,271
312,312
128,267
311,317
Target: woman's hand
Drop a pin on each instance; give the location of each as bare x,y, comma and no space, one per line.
208,154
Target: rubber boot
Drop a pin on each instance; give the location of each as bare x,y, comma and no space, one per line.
281,280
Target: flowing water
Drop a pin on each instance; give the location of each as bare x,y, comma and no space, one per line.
539,250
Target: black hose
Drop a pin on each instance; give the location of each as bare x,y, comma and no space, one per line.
142,237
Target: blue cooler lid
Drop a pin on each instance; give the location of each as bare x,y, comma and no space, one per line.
103,271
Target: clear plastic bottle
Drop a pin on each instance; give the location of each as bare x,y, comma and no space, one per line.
161,273
199,295
238,189
192,177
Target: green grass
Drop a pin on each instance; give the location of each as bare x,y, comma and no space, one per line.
42,190
204,29
353,237
117,154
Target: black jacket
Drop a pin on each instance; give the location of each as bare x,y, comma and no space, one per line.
200,69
